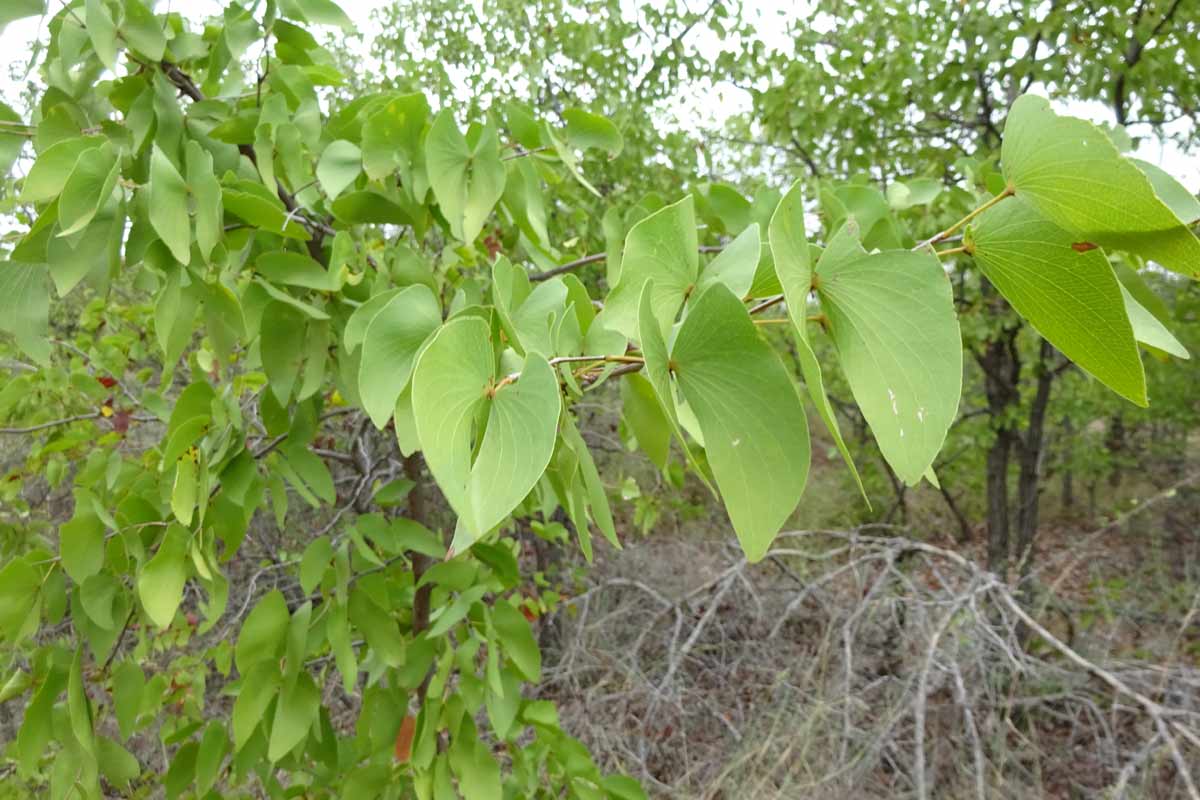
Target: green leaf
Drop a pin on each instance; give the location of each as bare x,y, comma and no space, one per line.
755,430
96,596
1069,170
295,269
596,494
502,708
645,419
390,347
79,709
102,32
19,9
12,140
254,204
658,371
661,248
160,583
213,745
913,192
586,130
183,491
25,307
356,327
206,191
169,206
315,561
318,12
516,637
262,635
19,585
118,766
258,689
735,265
471,759
369,208
453,382
467,179
793,266
143,31
789,248
378,627
340,164
1148,330
54,166
1072,298
295,713
81,544
282,348
1175,195
87,189
128,683
892,319
814,382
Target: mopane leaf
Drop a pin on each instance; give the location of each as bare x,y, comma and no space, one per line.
87,189
1069,295
453,386
516,637
160,583
340,164
467,179
25,307
755,430
736,264
169,206
54,166
1148,330
789,248
793,266
282,348
262,634
295,712
295,269
81,544
102,32
1071,172
586,130
645,418
660,248
1174,194
658,370
891,316
390,348
206,192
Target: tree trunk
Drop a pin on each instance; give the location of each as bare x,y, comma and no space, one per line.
1030,461
1001,367
1068,474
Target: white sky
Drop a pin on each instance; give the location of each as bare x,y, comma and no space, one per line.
707,109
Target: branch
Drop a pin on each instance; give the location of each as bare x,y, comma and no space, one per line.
598,257
319,229
52,424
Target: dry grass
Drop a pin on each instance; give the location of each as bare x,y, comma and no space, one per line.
865,664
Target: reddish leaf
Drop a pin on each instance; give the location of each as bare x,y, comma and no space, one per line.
107,382
404,739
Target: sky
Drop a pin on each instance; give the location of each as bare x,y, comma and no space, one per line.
698,111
